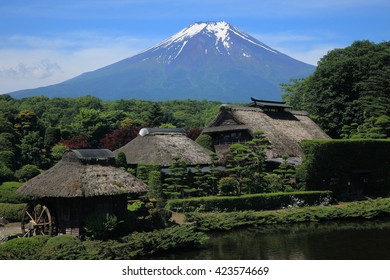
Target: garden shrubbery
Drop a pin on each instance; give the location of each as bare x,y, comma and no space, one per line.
133,246
8,193
220,221
12,212
263,201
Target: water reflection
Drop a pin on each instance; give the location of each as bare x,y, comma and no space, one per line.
308,241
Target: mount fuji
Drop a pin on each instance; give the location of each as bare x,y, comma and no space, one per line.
206,60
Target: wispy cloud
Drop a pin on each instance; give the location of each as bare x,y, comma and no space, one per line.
39,70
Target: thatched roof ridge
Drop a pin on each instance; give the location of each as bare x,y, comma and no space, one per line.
73,178
159,149
284,130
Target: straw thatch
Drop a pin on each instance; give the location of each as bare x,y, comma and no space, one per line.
159,146
284,129
83,173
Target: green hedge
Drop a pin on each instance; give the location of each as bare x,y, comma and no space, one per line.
8,193
221,221
12,212
336,164
133,246
263,201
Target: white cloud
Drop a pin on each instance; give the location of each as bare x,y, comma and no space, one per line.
32,61
39,70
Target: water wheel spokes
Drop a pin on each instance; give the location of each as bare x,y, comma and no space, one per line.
37,220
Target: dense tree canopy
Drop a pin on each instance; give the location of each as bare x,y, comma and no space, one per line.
349,93
37,130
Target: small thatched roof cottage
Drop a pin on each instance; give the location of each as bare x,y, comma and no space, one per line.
83,182
157,146
283,128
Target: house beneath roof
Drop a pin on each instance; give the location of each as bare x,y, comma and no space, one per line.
83,183
282,127
158,146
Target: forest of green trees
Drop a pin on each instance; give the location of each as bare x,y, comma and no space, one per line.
35,131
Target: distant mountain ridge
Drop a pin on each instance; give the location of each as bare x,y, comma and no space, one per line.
206,60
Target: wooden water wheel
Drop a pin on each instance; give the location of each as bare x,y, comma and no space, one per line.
37,220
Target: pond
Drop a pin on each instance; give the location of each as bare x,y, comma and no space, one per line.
339,240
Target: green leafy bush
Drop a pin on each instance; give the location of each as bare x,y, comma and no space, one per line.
220,221
8,193
205,141
227,186
336,164
263,201
100,225
22,248
27,172
12,212
62,247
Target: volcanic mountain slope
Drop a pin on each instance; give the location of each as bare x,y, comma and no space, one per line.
207,60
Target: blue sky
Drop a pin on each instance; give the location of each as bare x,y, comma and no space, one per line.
43,42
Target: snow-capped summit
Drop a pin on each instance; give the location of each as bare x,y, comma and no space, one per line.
206,60
218,37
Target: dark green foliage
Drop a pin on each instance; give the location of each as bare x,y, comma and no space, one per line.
120,159
220,221
100,225
12,212
62,247
228,186
8,193
335,164
176,182
5,173
350,86
52,137
205,141
143,171
155,183
58,151
27,172
23,248
264,201
134,246
176,237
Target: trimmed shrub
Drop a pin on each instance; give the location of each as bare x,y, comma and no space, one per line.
12,212
27,172
220,221
100,225
62,247
263,201
5,173
205,141
8,193
338,164
227,186
22,248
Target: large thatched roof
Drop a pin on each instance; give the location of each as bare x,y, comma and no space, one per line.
283,129
159,146
83,173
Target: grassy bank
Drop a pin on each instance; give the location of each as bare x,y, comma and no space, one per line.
221,221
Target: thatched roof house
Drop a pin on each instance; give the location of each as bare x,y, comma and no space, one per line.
158,146
283,128
83,173
83,182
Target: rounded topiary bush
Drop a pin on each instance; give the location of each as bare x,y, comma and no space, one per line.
63,247
205,141
23,248
27,172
